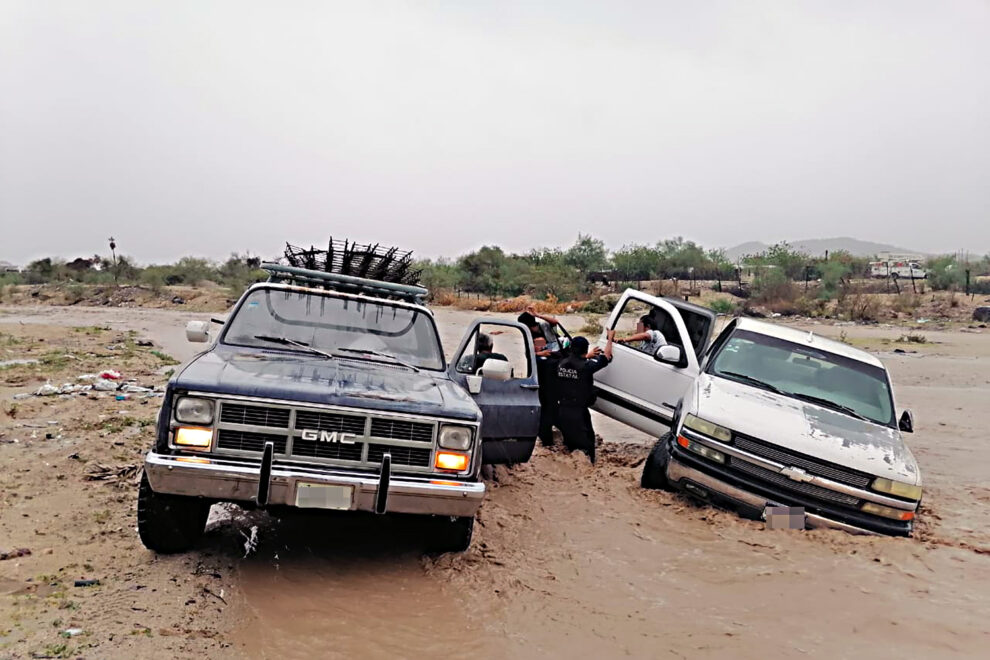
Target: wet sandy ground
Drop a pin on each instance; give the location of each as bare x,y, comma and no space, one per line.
573,560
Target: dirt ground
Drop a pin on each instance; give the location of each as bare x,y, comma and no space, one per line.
568,560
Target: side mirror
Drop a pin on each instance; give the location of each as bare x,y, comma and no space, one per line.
906,423
198,332
669,354
496,370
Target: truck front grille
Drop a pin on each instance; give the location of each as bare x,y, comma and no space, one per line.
367,439
243,441
807,463
786,483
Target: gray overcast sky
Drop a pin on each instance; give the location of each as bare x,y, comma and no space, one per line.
206,127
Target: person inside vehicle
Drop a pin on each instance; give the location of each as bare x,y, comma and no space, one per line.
647,334
484,348
541,325
576,387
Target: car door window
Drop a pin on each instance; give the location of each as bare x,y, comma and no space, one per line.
626,324
496,342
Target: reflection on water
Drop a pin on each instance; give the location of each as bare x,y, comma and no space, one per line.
324,586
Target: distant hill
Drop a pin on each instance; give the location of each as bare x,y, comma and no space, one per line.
817,246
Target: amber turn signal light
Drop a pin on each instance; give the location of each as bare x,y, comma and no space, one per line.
449,460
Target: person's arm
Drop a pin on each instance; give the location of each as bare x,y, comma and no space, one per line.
639,336
546,317
610,336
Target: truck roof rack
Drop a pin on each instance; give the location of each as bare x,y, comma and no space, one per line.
351,268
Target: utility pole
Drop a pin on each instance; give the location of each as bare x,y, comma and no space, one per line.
113,251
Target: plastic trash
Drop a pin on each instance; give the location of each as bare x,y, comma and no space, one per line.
22,395
87,377
123,397
129,387
47,390
105,385
110,374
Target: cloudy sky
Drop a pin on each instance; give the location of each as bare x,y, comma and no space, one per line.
207,127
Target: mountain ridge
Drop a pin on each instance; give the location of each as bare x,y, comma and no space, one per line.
817,247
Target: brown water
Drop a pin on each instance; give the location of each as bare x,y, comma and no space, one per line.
574,561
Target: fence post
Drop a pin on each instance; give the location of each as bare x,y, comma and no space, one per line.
967,282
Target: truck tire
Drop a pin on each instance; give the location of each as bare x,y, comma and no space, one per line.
169,523
453,535
655,469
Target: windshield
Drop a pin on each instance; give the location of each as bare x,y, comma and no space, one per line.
359,329
805,372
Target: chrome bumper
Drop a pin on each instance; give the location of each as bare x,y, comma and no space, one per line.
677,471
228,480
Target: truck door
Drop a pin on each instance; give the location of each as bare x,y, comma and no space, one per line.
503,382
642,389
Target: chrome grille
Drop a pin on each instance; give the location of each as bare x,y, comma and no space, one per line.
320,421
397,429
400,455
410,442
783,481
332,450
813,466
233,413
243,441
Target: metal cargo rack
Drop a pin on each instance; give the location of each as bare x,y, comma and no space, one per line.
351,268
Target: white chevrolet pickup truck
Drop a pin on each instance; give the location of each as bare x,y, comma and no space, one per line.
764,416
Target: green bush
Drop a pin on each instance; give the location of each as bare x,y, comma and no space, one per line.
945,273
722,306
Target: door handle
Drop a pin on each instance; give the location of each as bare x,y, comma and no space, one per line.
529,386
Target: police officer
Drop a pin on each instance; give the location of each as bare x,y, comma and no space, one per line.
576,390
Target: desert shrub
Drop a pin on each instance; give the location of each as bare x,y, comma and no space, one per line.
74,293
722,306
598,306
945,273
592,326
859,307
811,306
905,303
772,285
912,338
834,274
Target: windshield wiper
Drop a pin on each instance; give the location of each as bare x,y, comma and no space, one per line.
827,403
752,381
297,344
365,351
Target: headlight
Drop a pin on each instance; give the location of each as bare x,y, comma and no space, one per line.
193,410
708,428
701,450
455,437
194,438
887,511
897,488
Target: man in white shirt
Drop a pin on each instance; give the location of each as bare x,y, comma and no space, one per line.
647,334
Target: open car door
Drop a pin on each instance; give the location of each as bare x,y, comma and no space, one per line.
640,388
503,382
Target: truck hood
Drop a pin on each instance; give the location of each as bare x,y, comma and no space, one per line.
806,428
312,379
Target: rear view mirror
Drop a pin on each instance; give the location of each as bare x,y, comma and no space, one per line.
906,422
669,354
496,369
198,332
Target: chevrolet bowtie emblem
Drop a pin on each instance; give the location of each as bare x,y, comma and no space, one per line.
796,474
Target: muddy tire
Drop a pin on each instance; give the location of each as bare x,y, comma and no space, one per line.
453,535
655,469
169,523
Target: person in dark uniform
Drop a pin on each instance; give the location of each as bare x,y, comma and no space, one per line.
576,392
546,371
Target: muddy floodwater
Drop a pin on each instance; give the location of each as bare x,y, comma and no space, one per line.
571,560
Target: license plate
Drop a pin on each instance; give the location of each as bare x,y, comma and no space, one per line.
321,496
784,517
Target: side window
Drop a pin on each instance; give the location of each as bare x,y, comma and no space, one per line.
496,342
639,318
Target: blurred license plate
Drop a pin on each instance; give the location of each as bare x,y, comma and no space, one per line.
320,496
784,517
